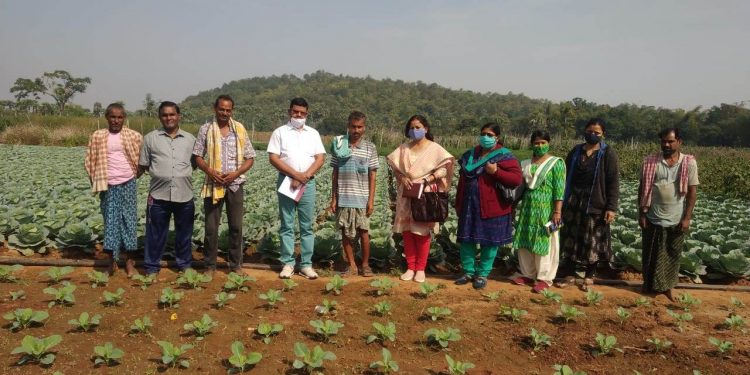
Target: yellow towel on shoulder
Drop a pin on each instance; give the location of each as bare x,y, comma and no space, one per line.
213,156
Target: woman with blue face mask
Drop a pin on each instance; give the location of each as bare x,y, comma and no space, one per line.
484,218
539,215
418,161
591,195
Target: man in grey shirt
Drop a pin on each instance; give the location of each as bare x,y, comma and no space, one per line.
167,156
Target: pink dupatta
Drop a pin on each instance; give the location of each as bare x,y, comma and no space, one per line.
432,158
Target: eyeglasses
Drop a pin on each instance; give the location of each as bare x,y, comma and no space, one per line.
488,134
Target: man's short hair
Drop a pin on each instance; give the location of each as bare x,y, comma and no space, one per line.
223,97
356,115
166,103
299,102
114,106
665,132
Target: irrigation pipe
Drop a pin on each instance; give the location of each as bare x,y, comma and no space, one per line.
267,267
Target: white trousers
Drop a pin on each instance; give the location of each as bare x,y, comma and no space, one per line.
541,267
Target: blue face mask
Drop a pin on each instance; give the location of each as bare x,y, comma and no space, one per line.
417,134
487,141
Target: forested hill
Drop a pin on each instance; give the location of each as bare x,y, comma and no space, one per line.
262,102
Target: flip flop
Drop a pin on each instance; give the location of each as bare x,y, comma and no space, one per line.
367,271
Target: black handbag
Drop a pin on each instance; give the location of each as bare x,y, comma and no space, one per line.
512,194
432,206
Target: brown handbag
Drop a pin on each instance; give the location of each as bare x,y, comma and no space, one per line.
432,206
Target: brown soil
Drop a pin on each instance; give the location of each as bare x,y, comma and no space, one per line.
495,345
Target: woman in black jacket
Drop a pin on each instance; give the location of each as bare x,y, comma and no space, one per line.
592,190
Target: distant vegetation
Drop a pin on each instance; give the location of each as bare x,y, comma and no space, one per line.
261,104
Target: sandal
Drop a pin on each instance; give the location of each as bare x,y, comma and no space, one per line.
367,271
565,282
349,271
587,282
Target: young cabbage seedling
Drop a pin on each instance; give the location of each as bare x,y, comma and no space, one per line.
107,354
192,279
266,330
641,301
289,284
113,298
539,340
62,295
172,356
550,297
326,329
336,285
201,328
271,297
385,365
24,318
723,347
327,307
382,285
680,318
241,359
594,298
55,274
382,332
17,295
569,313
236,281
85,322
492,296
144,281
141,325
37,349
436,312
310,360
442,337
223,298
456,367
735,322
170,298
605,344
7,273
512,313
623,314
687,301
659,344
98,278
382,308
427,289
736,303
566,370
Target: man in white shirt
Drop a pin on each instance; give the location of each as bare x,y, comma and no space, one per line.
297,152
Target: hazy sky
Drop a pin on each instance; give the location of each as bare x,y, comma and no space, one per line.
661,53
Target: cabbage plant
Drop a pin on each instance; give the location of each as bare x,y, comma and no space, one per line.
30,238
76,235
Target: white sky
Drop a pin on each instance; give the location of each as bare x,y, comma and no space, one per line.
661,53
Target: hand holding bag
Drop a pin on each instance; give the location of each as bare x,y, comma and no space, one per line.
432,206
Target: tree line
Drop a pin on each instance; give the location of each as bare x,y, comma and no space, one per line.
261,103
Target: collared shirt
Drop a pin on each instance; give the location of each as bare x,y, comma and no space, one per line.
228,152
296,148
168,163
667,205
353,178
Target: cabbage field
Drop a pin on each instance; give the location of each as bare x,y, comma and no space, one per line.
46,203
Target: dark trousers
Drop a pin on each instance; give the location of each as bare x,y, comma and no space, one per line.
158,214
235,204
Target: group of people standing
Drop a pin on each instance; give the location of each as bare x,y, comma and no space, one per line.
555,212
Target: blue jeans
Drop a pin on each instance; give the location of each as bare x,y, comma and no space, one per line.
158,214
305,212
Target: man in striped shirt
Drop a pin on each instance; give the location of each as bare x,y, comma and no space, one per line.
353,192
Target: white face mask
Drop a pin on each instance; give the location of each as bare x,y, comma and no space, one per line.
297,123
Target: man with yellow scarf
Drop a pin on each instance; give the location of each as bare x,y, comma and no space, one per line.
224,152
